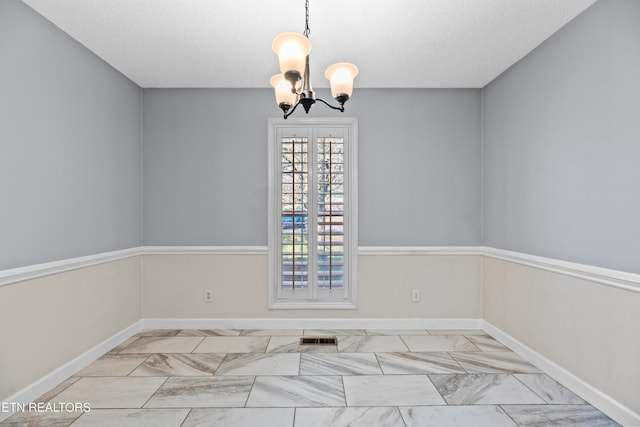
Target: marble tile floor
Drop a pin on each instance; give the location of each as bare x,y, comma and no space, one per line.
372,378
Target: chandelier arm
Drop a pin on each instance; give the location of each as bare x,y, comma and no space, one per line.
340,108
290,112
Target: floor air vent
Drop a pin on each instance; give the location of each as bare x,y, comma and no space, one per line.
318,341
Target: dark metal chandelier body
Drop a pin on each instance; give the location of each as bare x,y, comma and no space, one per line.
293,85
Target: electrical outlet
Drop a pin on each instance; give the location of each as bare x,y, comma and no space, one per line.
415,295
208,295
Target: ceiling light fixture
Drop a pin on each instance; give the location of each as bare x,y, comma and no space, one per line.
293,86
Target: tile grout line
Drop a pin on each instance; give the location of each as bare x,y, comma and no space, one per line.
402,417
185,418
253,383
507,372
507,414
529,388
154,393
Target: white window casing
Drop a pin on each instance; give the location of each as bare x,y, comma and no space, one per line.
313,213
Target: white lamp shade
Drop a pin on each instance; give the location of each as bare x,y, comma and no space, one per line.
341,77
283,90
292,50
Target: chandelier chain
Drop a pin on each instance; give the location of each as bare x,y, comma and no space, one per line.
307,31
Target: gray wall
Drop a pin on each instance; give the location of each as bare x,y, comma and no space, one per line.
205,170
69,146
560,162
562,144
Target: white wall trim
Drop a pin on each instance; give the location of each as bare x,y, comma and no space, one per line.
347,128
595,397
49,381
20,274
336,323
615,278
420,250
205,250
312,305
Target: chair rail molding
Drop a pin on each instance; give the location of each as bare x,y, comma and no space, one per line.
615,278
21,274
619,279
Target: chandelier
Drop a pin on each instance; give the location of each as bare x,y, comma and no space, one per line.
293,86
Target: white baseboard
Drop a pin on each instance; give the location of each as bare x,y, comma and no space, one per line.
595,397
346,323
46,383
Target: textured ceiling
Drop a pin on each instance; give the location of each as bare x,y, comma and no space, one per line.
394,43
